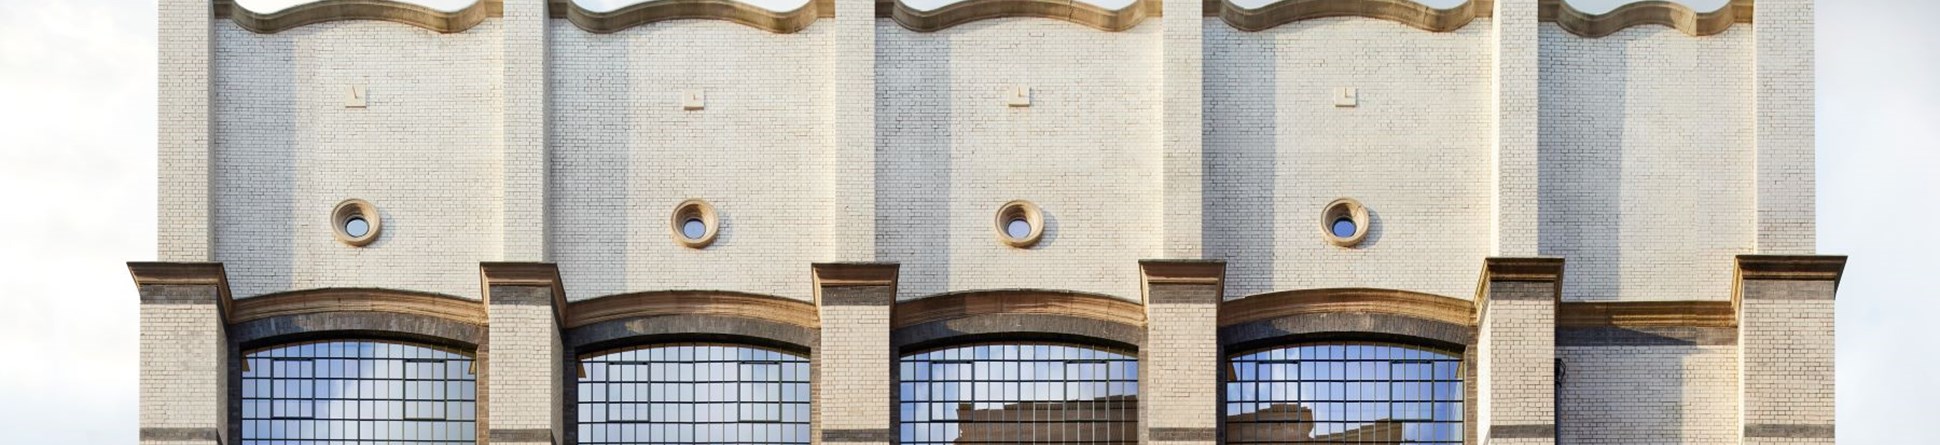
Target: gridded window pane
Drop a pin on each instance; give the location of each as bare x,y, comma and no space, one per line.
1018,393
1361,393
358,393
694,394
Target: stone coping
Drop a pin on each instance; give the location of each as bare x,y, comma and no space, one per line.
1655,12
603,22
1074,11
295,16
1406,12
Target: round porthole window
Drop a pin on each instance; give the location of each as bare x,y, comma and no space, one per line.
355,222
694,223
1019,224
1344,222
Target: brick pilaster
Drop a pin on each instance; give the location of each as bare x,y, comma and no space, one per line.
1785,126
1515,355
524,169
184,37
1785,347
1516,75
184,352
1183,126
854,120
524,367
1179,363
852,366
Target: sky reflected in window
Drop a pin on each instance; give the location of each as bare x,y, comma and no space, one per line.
1344,393
358,392
694,394
1018,393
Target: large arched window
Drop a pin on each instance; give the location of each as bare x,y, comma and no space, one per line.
694,394
357,393
1344,393
1018,393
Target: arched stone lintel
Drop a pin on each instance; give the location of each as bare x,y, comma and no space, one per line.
622,333
725,304
1017,314
356,313
1346,313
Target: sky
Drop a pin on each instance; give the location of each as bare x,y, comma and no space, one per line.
77,166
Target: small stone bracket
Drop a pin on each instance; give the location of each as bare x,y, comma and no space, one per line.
1018,96
693,100
358,96
1347,97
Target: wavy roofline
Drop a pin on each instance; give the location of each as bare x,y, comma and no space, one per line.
1654,12
338,10
1406,12
642,13
1073,11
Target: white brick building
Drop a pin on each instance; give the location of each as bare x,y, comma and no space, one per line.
507,185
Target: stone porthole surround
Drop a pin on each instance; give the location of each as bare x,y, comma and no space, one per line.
1019,210
351,209
1351,210
694,210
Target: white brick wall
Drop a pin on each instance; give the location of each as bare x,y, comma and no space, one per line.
950,151
624,152
1647,184
1649,394
426,152
1416,152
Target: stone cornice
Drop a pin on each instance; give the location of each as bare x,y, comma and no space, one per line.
1646,314
525,275
973,10
692,302
313,301
660,10
1275,305
1406,12
335,10
184,274
1655,12
1791,267
959,305
1209,272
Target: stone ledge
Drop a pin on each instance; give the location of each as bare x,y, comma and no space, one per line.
1639,314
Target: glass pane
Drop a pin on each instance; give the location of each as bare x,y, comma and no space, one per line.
357,393
1364,393
694,394
1018,393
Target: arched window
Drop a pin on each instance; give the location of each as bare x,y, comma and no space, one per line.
359,392
694,394
1018,393
1344,393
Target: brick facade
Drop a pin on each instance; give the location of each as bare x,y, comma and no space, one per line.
856,166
